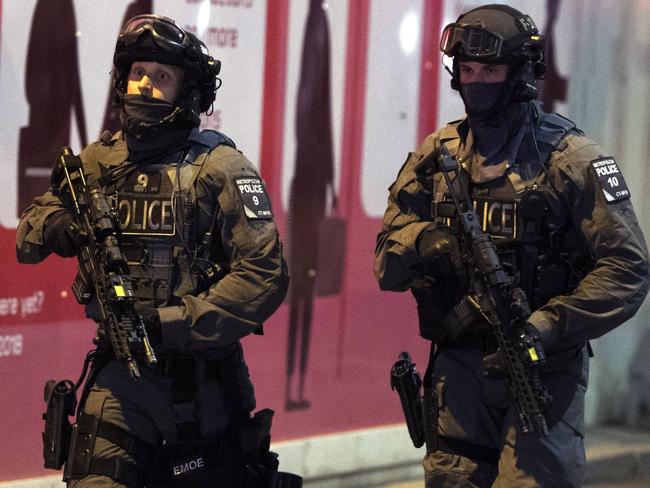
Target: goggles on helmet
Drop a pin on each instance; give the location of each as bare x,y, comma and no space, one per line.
165,32
470,40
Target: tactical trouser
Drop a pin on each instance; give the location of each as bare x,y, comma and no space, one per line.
124,421
478,410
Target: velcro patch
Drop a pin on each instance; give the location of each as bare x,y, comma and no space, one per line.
611,180
146,215
257,204
143,183
187,466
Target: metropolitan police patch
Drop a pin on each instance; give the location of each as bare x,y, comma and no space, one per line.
611,180
253,195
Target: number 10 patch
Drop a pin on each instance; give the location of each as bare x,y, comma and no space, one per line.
611,180
253,195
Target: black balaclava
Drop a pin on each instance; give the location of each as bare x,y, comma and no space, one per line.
153,127
498,136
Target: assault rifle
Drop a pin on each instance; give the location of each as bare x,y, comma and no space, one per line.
103,269
505,307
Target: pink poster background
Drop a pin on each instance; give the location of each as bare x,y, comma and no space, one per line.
356,335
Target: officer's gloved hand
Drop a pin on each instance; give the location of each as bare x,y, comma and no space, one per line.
439,252
61,233
151,319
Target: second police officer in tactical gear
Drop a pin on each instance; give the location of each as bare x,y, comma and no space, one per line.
206,265
560,213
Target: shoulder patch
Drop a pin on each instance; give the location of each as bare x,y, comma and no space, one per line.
611,179
255,201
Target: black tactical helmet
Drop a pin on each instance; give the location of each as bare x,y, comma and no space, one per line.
497,34
156,38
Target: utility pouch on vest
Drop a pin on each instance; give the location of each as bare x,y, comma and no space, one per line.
61,400
204,462
260,465
551,280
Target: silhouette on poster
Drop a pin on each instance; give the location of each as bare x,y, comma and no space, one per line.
111,116
554,87
308,220
53,92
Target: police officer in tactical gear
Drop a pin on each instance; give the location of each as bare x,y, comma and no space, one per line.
207,269
560,214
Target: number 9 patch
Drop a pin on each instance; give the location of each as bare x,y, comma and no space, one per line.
256,202
611,180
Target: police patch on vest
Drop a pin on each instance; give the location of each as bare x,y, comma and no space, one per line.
146,215
611,180
498,217
254,198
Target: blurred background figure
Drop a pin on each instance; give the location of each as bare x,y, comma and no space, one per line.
54,95
312,180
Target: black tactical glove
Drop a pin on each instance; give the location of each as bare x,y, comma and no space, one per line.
61,234
439,252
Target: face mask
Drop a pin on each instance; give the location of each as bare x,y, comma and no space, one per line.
146,117
481,98
153,127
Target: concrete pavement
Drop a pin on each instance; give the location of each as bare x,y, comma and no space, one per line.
385,458
616,457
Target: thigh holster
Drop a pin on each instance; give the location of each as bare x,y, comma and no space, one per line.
82,460
60,397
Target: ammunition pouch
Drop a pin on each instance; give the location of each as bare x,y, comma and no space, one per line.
61,400
551,280
201,462
242,460
430,311
260,465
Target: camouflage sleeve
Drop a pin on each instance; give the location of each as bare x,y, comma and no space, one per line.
614,289
258,278
407,214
